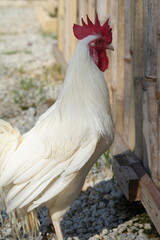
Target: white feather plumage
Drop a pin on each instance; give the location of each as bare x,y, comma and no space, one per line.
51,161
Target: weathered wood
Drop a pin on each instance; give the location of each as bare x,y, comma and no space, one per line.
138,71
127,178
158,89
153,129
129,123
72,19
119,145
137,184
149,195
146,141
60,59
120,69
91,9
114,55
61,25
151,61
82,9
102,10
66,30
150,85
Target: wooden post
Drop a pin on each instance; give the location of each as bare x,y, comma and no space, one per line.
138,71
61,25
102,10
120,69
91,9
73,19
82,9
129,117
114,55
150,84
158,88
70,18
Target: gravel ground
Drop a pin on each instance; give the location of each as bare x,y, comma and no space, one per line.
30,81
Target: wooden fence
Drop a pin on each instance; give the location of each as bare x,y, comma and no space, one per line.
134,71
133,75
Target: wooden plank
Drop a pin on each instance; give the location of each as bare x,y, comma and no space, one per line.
129,117
152,20
91,9
67,6
151,85
72,19
82,10
119,145
104,13
146,141
158,89
102,10
120,69
145,189
153,127
60,59
119,115
127,178
138,71
61,25
149,195
114,55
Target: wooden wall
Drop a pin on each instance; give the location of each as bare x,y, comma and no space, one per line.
133,76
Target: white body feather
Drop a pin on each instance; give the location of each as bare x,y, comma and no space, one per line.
52,160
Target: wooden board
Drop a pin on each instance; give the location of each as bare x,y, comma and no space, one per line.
137,184
129,109
149,195
138,60
151,23
127,178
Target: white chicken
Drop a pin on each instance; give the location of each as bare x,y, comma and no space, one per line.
48,165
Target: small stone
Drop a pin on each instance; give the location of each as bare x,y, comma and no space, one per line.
101,205
122,229
107,238
131,236
117,194
123,216
142,236
122,236
104,232
81,230
93,238
99,227
154,238
111,204
147,226
87,235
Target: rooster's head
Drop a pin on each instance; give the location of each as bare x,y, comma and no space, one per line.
98,46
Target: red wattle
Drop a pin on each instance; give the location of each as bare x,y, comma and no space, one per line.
102,61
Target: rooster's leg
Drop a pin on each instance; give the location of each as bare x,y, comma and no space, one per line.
58,230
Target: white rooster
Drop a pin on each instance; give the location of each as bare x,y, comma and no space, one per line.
48,165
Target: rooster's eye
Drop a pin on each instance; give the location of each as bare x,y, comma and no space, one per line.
99,41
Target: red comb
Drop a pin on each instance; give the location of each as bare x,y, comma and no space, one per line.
85,30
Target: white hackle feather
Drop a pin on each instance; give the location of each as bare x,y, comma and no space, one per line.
50,162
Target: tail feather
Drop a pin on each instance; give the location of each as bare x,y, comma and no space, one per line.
10,138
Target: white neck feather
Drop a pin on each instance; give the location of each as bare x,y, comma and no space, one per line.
85,94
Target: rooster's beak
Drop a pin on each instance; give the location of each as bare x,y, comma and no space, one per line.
110,47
